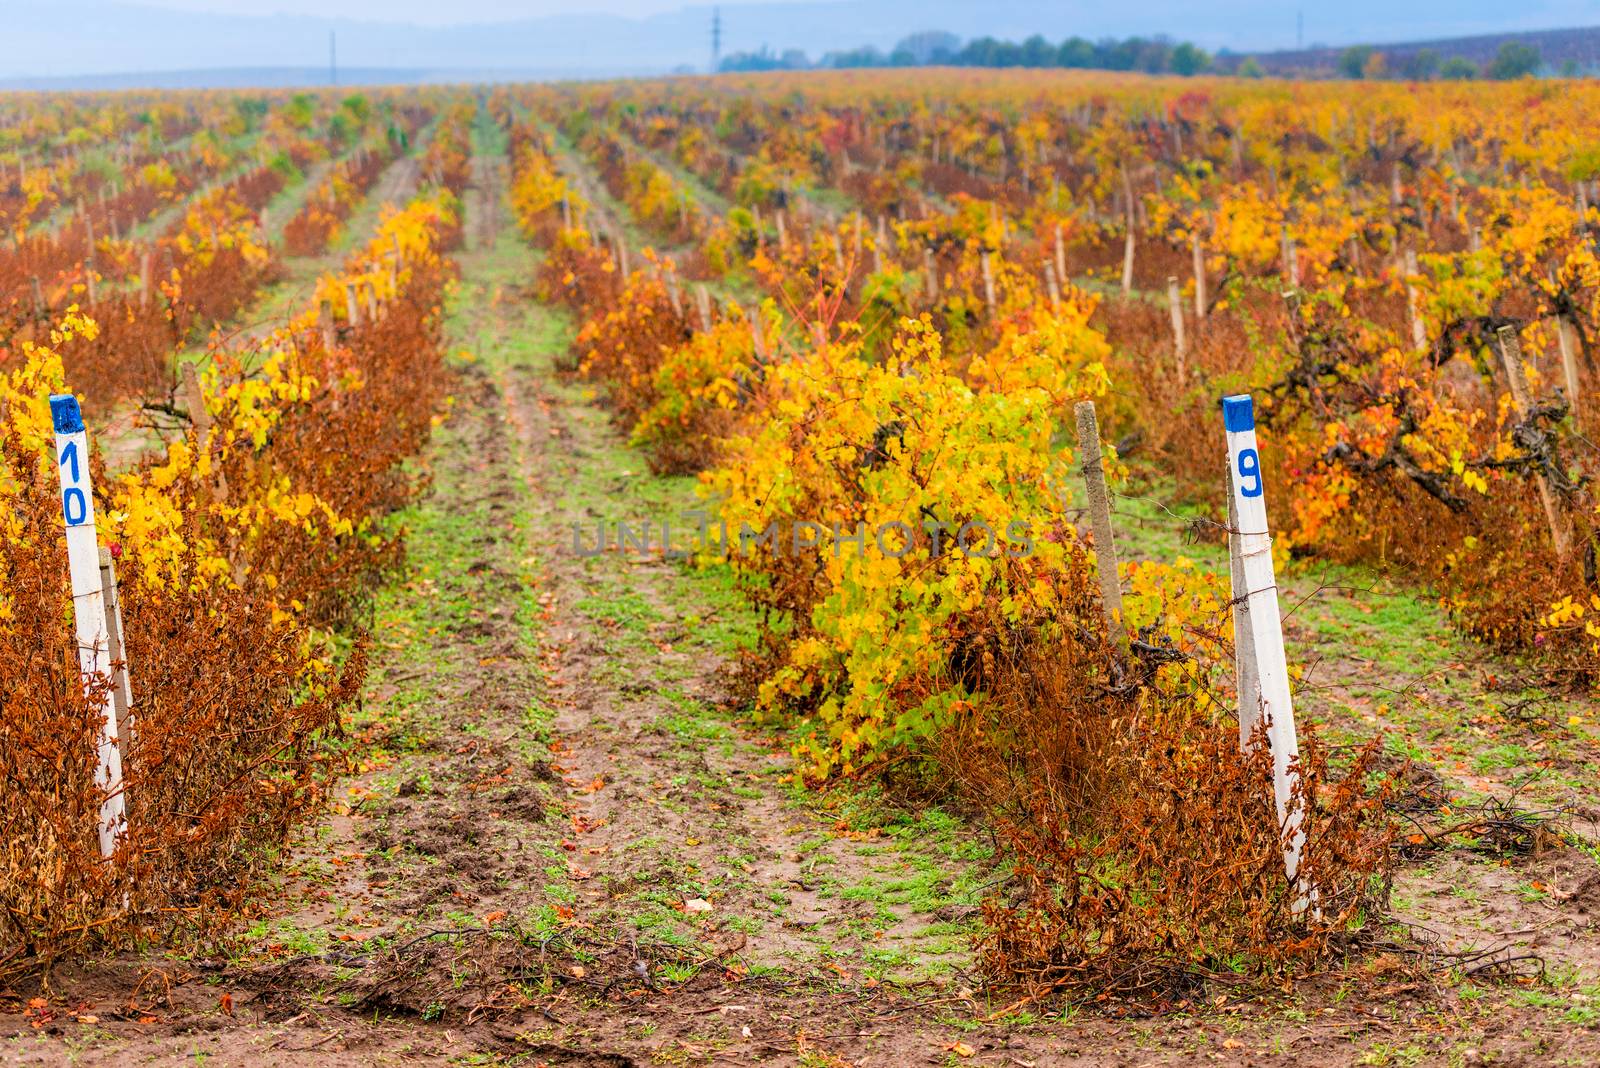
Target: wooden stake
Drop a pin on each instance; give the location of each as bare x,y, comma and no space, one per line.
1197,254
1105,548
121,688
1419,331
1127,244
194,400
703,303
1569,361
1180,344
1522,400
1127,260
759,342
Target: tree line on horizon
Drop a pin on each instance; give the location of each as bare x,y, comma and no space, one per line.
1147,55
1150,55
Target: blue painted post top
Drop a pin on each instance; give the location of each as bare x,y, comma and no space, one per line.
65,413
1238,414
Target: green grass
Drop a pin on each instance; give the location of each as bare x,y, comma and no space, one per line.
1377,653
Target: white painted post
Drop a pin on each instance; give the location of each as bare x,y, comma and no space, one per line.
1248,493
1244,643
88,603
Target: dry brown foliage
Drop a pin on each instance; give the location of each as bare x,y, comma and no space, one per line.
1146,851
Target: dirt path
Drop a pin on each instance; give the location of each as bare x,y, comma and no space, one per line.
560,846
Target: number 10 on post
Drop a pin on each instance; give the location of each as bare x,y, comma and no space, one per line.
89,604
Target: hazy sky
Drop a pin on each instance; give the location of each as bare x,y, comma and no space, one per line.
57,38
1236,21
433,12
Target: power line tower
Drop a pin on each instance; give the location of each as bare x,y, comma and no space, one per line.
333,59
716,38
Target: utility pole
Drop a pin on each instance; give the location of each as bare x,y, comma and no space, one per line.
716,38
333,58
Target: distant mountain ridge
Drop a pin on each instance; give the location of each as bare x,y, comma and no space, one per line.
1579,46
83,42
